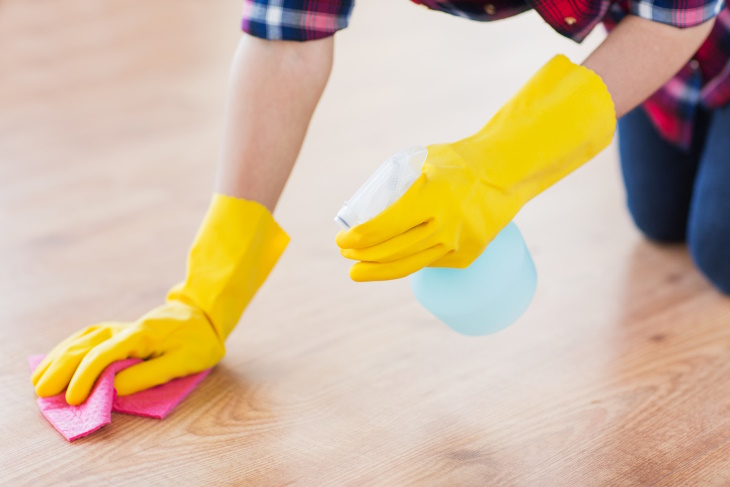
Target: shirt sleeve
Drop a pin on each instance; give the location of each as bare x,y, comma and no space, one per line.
295,20
679,13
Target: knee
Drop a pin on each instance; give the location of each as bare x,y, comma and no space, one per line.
710,251
657,224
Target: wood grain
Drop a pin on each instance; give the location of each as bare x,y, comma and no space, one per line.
109,125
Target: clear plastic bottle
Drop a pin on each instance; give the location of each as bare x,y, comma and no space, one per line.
484,298
383,188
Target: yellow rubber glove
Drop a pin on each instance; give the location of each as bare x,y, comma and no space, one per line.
471,189
235,249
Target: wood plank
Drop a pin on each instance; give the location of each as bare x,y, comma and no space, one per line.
711,468
110,117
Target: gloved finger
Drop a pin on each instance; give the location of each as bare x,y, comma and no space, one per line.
151,373
56,375
403,215
57,350
93,364
372,271
411,242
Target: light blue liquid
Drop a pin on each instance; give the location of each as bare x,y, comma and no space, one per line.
487,296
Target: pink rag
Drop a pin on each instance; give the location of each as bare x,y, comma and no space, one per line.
75,422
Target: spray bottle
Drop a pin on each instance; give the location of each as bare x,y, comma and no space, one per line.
484,298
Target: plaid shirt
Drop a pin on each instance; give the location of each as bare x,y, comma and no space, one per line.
703,82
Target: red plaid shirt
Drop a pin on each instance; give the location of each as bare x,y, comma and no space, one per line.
703,82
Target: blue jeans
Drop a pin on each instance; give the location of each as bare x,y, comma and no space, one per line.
675,195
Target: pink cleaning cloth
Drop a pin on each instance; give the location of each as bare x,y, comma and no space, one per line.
75,422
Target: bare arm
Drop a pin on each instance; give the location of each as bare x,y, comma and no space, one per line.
274,89
640,55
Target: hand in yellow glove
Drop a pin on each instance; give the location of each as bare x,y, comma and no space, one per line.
236,248
177,339
469,190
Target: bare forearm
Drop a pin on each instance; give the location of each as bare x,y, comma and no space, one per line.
273,91
639,56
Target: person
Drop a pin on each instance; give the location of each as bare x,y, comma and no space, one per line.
673,56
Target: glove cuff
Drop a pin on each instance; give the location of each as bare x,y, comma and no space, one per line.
236,247
560,119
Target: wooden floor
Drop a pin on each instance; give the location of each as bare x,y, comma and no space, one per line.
110,115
